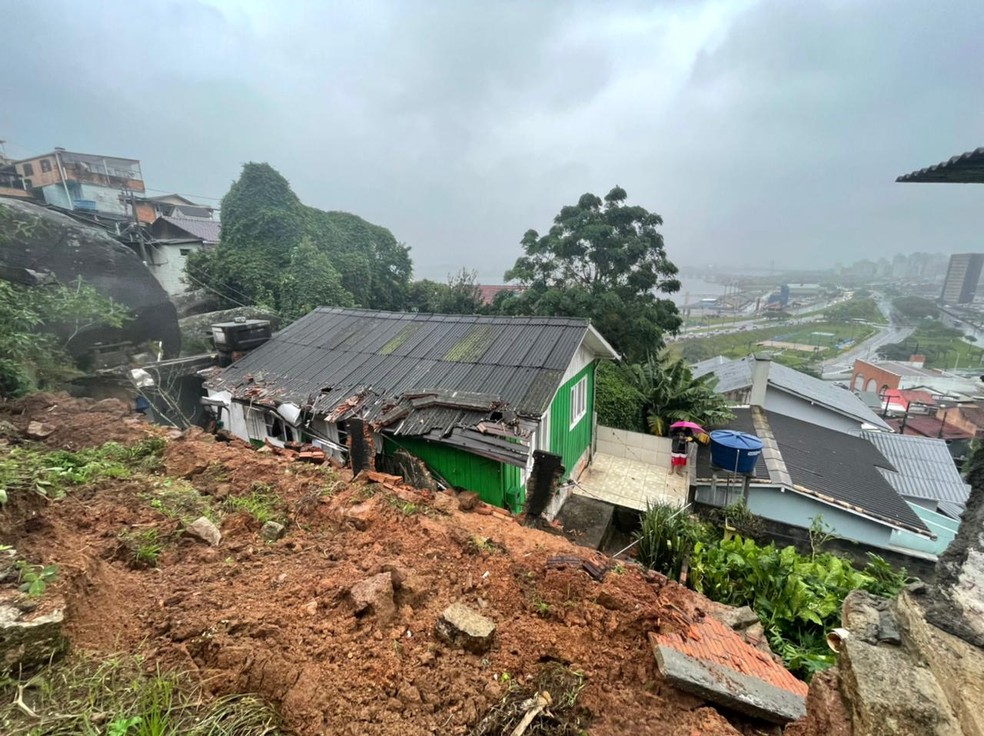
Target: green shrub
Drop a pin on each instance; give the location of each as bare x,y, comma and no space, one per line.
667,538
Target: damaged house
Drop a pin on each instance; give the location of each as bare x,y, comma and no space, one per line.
472,397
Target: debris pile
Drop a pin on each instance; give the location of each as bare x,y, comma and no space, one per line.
356,605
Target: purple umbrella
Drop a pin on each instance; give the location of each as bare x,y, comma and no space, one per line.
688,425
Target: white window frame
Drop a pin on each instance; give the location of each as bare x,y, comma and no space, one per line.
579,401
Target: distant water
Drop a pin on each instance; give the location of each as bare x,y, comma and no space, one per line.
693,290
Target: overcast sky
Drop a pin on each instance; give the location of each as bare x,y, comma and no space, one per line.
763,132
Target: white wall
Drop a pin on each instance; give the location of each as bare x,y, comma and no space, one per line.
582,358
168,265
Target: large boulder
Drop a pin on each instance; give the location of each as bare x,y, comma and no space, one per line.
38,244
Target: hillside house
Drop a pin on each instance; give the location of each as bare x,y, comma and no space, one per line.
758,380
473,397
806,470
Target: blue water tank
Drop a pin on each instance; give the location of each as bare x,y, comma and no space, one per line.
735,451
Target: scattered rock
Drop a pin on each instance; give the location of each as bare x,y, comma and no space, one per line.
203,529
468,500
271,531
8,431
361,514
445,502
26,645
8,565
460,626
375,595
38,431
737,618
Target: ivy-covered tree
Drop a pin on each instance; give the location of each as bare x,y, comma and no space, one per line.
310,281
605,260
264,224
37,327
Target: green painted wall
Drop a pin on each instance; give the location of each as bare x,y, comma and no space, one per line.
566,441
496,483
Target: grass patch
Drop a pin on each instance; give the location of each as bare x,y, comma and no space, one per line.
262,503
409,508
34,468
178,499
116,697
142,548
943,347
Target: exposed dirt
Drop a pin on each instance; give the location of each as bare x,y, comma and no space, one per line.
277,619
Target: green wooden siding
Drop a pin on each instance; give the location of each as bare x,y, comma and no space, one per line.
496,483
566,441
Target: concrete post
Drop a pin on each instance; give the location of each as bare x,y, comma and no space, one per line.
760,379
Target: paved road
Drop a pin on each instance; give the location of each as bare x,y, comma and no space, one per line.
840,366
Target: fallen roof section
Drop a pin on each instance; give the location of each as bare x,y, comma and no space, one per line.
712,661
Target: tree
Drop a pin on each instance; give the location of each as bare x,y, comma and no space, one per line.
460,295
672,394
264,224
310,281
37,326
604,260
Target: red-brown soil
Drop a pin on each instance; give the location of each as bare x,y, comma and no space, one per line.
276,619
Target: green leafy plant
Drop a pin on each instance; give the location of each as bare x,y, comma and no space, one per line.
34,579
666,538
143,546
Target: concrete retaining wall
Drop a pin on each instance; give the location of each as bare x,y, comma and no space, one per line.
643,448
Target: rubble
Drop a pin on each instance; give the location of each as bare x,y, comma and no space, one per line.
29,641
375,595
271,531
203,529
462,627
38,431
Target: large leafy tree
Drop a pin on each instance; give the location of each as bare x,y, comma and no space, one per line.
268,235
605,260
659,391
460,295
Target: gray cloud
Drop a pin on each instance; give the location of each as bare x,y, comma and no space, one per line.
761,131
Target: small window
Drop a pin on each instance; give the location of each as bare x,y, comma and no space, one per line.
185,251
45,166
28,184
277,429
579,401
28,170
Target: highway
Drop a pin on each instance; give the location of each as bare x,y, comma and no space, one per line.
841,366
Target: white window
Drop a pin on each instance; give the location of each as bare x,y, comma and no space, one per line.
579,401
277,430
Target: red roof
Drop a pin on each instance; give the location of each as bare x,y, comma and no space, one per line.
713,642
488,292
904,397
929,426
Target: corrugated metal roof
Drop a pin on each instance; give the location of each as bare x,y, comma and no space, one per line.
840,466
736,375
330,355
966,168
923,467
208,230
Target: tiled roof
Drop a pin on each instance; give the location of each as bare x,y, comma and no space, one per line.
836,467
930,426
737,374
923,467
488,292
208,230
414,373
709,640
967,168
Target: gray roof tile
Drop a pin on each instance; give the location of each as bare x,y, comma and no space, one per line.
923,467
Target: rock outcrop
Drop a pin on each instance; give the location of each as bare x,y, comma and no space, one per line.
37,243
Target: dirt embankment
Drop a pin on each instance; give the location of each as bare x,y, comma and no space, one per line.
278,618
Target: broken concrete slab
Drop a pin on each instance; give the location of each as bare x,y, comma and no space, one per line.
29,643
711,660
374,595
890,695
203,529
462,627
